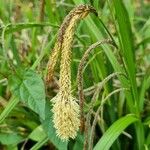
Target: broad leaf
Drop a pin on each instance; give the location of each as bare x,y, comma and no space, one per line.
10,138
29,88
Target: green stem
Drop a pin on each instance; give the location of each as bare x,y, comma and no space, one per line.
40,143
114,42
43,51
3,41
11,104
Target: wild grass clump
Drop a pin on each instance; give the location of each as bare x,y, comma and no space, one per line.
96,96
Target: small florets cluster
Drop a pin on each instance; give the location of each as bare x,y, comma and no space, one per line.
66,111
66,117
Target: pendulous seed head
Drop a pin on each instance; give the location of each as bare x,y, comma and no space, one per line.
71,19
66,111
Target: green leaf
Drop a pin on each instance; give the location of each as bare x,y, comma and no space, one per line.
114,131
50,130
126,43
79,142
128,52
148,140
29,88
145,85
11,104
37,134
10,138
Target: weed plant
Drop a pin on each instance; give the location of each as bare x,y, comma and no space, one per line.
77,83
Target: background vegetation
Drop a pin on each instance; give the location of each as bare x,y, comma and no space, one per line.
28,30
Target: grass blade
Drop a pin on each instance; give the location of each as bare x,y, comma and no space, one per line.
39,144
114,131
11,104
126,43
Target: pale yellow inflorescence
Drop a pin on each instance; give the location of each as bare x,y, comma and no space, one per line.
66,117
66,109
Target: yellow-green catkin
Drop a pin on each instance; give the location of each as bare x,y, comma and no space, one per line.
66,111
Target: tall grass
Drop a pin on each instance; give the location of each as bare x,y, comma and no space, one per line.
115,79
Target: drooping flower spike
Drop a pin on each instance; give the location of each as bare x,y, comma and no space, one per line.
66,111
